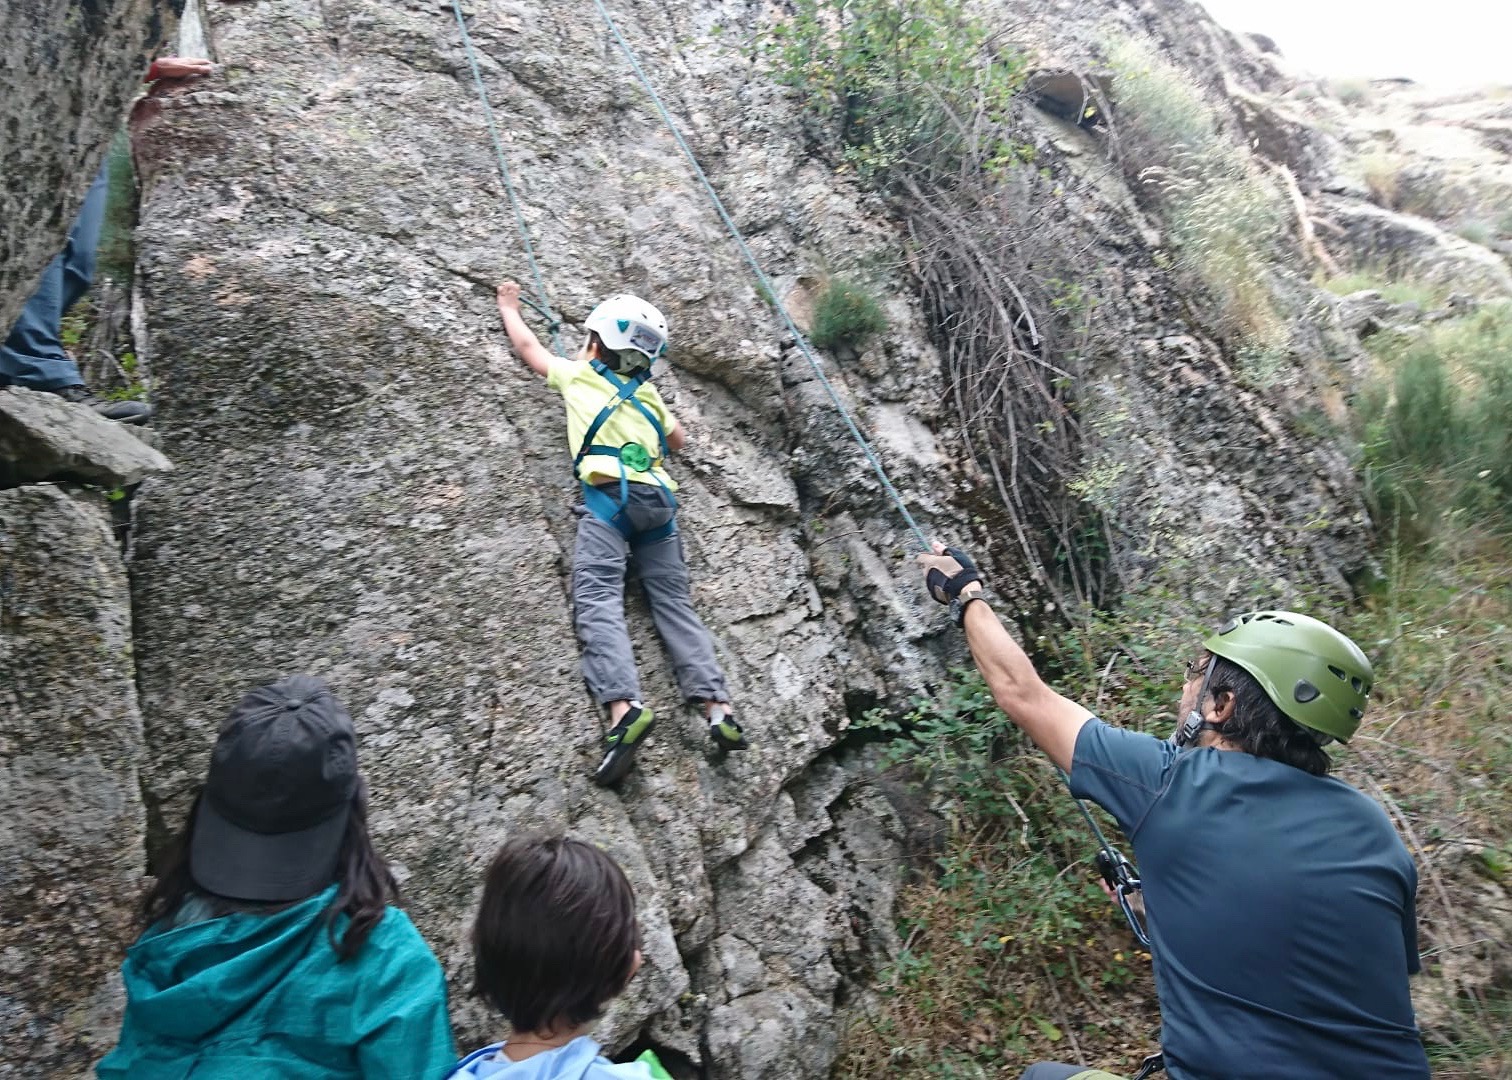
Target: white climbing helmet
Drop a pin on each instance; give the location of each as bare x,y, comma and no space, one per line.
633,331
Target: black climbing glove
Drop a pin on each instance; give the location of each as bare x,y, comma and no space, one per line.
948,574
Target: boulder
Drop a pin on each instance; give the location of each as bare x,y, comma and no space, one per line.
1362,313
43,437
71,816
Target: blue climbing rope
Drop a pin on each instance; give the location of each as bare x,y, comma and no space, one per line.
765,283
1109,851
541,303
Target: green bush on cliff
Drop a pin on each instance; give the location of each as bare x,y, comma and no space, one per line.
898,83
1435,438
846,315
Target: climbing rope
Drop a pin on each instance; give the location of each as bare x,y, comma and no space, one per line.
541,303
1116,869
765,283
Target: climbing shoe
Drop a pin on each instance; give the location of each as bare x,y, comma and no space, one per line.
723,729
621,743
125,412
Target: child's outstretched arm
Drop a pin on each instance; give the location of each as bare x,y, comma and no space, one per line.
526,345
677,438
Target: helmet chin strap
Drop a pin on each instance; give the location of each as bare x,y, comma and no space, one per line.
1194,724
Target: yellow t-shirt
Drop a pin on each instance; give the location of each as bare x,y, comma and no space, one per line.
585,393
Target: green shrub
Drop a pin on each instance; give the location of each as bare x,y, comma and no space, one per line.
846,316
1477,232
1012,915
1396,290
898,82
1350,91
1159,109
1434,426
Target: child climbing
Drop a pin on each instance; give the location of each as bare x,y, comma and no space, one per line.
620,433
554,942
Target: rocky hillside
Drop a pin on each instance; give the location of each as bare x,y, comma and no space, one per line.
367,486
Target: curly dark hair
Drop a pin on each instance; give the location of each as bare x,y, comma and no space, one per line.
1259,727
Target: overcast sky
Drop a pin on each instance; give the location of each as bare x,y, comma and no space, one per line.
1443,43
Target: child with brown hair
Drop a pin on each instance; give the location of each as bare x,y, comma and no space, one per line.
554,942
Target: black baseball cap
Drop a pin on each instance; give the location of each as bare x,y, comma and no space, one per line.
274,808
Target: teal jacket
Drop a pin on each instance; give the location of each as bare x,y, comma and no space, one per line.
246,996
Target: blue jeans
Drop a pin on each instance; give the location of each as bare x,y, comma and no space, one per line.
33,355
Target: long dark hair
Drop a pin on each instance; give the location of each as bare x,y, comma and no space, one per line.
366,886
1258,727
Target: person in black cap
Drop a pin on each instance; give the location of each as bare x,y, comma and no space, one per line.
270,942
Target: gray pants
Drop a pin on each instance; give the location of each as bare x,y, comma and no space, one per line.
599,561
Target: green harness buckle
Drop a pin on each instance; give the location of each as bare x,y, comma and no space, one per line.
635,457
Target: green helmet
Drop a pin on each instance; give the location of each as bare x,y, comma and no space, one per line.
1314,674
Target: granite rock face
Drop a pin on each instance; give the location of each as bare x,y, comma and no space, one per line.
370,487
72,843
66,73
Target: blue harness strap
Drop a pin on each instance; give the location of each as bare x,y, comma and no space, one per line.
600,503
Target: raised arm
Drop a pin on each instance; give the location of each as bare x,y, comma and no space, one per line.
1050,720
522,338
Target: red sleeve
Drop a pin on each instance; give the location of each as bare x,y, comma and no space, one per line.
152,73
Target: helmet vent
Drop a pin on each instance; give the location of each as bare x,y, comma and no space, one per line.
1305,691
1358,685
1228,627
1356,714
1341,676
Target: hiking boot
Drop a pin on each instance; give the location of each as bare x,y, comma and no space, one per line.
124,412
621,743
723,729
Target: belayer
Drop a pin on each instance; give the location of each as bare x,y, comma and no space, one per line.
1280,901
620,433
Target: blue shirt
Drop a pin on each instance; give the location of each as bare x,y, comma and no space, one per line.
1281,907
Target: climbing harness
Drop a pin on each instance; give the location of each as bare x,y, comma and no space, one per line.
632,457
598,501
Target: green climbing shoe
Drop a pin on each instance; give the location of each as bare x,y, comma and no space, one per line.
621,743
723,729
